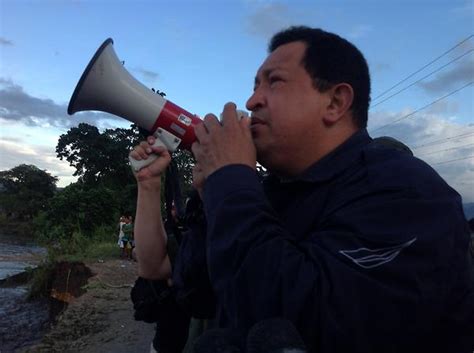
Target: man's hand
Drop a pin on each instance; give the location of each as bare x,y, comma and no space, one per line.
151,173
220,145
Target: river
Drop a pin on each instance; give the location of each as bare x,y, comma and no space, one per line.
22,322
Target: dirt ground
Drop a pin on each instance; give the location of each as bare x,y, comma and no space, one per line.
101,319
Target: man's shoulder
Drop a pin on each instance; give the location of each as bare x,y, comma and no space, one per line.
397,168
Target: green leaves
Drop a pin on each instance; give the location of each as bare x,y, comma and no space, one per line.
26,190
98,157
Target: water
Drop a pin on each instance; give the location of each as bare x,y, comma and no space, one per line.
16,257
22,322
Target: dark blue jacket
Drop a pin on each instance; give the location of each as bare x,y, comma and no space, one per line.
367,251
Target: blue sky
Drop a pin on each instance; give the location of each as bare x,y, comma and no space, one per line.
205,53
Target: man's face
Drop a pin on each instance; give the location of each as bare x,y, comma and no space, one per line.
286,110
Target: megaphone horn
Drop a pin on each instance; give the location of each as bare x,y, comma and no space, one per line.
107,86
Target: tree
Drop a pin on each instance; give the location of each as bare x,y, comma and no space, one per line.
103,157
80,208
99,157
26,190
184,162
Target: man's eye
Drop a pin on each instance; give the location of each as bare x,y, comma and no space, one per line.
274,79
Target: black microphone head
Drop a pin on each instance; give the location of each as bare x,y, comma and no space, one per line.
274,336
218,341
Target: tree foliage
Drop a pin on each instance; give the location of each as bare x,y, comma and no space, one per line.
184,162
102,158
79,208
26,190
99,157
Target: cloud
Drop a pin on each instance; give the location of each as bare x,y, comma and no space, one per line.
461,74
268,19
445,107
15,153
31,127
6,42
445,145
17,105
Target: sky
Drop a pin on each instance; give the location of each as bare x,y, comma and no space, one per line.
206,53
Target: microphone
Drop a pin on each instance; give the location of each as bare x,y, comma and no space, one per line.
219,340
274,336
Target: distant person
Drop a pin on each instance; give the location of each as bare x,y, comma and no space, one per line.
120,234
127,239
360,245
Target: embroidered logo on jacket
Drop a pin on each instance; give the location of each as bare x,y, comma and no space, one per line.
369,258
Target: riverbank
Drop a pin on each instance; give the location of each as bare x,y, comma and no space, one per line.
101,319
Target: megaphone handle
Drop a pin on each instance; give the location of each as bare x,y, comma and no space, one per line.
139,164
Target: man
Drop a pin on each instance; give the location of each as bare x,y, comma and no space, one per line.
361,246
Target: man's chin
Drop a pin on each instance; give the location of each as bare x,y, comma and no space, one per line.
262,154
257,135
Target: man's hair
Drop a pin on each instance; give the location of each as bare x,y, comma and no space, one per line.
329,60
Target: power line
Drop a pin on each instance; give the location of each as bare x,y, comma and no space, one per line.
453,160
446,139
421,79
447,149
431,62
424,107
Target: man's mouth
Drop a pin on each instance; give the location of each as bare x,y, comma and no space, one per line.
256,121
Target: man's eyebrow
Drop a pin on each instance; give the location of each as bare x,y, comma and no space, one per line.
265,73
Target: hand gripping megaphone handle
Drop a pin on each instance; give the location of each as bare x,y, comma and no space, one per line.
139,164
164,139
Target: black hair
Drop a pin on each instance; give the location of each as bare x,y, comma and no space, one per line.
329,60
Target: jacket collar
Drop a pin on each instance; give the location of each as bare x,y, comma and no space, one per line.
334,162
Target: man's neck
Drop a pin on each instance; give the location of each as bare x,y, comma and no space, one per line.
313,153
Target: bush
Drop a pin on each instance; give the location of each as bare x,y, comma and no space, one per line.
102,251
106,233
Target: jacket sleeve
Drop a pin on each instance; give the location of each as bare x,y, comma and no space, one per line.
190,271
362,274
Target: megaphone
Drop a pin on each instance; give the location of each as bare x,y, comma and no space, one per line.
107,86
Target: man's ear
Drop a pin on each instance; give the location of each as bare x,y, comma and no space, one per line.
341,98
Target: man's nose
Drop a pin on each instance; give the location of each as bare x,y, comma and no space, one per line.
255,101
